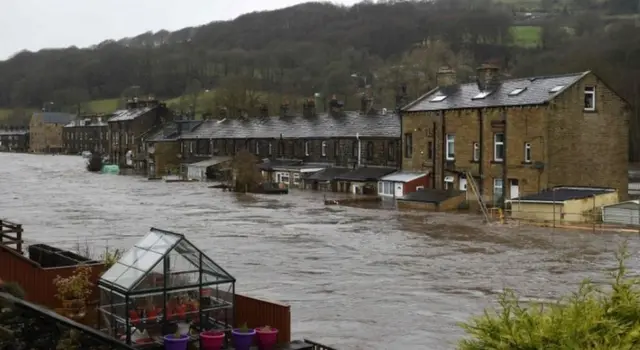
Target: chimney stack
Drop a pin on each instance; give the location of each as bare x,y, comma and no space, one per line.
309,108
446,77
284,109
335,106
222,113
488,77
264,110
366,104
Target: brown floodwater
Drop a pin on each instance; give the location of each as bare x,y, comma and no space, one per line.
356,278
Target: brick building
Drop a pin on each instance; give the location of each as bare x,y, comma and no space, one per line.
126,126
45,131
89,133
518,136
14,139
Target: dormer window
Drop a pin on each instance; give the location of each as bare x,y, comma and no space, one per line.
481,95
556,88
438,98
517,91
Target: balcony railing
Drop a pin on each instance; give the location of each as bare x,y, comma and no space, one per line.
24,325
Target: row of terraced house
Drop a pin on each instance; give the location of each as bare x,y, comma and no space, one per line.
509,138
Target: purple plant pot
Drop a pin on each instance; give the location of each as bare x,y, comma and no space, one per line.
242,340
173,343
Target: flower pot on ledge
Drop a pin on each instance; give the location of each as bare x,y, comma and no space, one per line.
242,339
267,337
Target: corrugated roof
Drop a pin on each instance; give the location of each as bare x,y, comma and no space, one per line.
279,163
55,117
535,91
561,194
365,174
635,205
402,176
324,126
129,114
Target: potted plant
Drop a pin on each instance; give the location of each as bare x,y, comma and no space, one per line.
211,340
176,341
110,257
243,337
74,290
267,337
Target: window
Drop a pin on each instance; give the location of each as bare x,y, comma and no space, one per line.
450,147
306,148
481,95
517,91
527,152
257,147
354,149
556,88
498,147
324,148
438,98
391,151
270,148
589,98
497,189
369,150
476,152
429,150
336,148
408,145
419,188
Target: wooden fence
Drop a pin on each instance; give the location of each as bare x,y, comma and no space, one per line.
11,235
258,313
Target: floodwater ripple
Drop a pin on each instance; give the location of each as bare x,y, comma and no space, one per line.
356,278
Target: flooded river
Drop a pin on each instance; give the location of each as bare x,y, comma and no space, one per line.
356,278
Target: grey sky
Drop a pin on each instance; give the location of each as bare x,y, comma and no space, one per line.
37,24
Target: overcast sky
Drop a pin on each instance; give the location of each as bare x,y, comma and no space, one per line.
37,24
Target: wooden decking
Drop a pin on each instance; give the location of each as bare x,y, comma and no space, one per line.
11,235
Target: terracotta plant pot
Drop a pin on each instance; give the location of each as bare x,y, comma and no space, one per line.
267,338
212,340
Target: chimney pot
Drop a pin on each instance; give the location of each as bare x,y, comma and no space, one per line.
446,76
488,77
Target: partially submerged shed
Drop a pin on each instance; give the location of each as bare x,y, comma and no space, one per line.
432,200
563,204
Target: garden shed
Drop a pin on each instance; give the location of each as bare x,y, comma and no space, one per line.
625,213
162,286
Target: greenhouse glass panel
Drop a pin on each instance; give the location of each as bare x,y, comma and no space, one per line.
114,272
147,261
164,243
129,278
149,240
130,257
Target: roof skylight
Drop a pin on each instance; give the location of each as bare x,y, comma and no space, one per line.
556,88
438,98
481,95
517,91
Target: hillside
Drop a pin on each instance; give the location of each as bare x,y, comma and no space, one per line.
284,55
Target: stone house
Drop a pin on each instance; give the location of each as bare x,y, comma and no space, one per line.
162,147
14,139
88,133
126,126
334,138
45,131
518,136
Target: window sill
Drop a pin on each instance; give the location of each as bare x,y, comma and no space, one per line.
527,163
590,111
497,161
474,161
450,160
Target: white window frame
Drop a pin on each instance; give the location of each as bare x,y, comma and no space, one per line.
270,148
590,91
450,147
497,143
527,152
495,186
476,152
306,148
418,188
257,147
324,148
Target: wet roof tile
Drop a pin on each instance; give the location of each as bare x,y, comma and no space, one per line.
348,124
128,114
55,117
511,92
169,131
561,194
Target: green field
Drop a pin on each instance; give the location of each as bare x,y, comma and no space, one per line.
526,36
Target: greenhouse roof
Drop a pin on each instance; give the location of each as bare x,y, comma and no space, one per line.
148,254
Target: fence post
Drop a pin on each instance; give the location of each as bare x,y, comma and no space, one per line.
553,201
594,213
19,238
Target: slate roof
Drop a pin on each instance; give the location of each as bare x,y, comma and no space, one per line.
169,130
537,91
278,163
429,196
321,126
327,174
4,132
561,194
55,117
365,174
129,114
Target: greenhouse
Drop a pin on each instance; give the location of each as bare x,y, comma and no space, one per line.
164,285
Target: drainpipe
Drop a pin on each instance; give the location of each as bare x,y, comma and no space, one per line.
359,149
481,157
504,163
434,147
